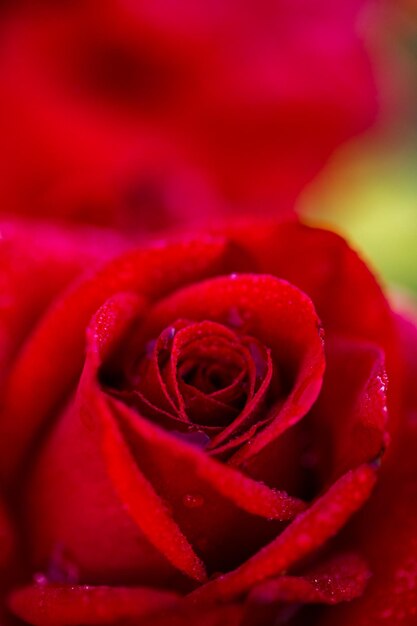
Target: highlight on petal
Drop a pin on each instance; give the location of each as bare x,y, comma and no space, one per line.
84,605
309,531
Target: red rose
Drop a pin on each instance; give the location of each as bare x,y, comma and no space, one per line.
187,430
129,113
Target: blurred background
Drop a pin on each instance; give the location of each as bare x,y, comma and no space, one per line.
369,187
152,117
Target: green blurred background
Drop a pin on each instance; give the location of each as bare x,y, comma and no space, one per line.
369,188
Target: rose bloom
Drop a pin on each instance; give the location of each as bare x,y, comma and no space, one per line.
125,113
218,429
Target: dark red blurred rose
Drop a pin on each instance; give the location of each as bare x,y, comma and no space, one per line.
132,114
188,429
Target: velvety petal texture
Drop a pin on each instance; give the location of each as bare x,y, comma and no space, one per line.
211,430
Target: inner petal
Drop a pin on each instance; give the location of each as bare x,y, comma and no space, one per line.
196,376
207,358
209,376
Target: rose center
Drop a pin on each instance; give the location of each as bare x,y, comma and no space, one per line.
200,376
208,376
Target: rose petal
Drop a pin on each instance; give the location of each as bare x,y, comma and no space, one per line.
101,481
251,496
51,359
277,314
36,262
341,579
346,295
385,531
74,605
215,336
251,411
348,423
93,478
309,531
142,502
204,491
152,385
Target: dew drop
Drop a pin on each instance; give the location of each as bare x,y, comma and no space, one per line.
193,500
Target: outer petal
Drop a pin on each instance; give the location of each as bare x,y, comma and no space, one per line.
36,262
386,529
209,499
309,531
346,295
51,360
73,605
119,493
108,501
348,423
341,579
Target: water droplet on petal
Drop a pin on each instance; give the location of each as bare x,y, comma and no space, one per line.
193,500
